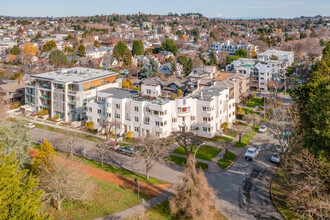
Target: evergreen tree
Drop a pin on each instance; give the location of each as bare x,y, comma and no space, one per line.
58,58
81,50
241,53
169,45
14,50
49,46
19,198
213,58
138,48
119,50
189,66
128,58
96,43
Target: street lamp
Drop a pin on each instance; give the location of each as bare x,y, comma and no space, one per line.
197,149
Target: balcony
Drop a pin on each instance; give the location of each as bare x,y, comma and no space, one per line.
29,102
45,97
29,93
72,102
45,106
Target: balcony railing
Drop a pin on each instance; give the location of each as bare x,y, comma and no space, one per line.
44,106
45,97
72,102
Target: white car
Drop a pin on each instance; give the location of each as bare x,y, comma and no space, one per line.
275,158
30,125
279,148
262,129
251,153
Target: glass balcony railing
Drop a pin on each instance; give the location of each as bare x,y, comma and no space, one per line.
45,106
72,102
45,97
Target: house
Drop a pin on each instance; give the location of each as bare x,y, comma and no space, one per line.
167,69
109,63
12,91
205,72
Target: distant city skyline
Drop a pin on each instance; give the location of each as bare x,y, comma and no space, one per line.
209,8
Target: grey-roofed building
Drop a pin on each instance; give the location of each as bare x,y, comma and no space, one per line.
65,92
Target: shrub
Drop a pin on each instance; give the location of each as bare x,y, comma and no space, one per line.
224,126
89,125
254,96
129,135
43,112
239,116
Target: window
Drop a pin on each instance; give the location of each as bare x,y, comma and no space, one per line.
136,108
157,134
193,118
136,129
206,119
99,111
90,109
173,120
136,119
118,126
183,118
109,115
148,91
205,129
118,106
98,120
108,104
118,116
184,109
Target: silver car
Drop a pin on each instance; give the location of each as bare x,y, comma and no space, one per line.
262,129
275,158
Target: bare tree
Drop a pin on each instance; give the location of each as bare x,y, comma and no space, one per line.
194,198
187,140
240,131
102,149
109,124
70,139
152,150
254,118
64,180
225,145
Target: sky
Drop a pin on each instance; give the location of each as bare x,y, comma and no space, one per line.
209,8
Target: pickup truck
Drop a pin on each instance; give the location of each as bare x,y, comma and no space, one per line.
251,153
128,150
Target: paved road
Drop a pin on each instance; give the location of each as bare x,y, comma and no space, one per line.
243,178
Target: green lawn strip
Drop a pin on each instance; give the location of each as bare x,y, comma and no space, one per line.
182,161
232,134
115,170
254,102
247,137
228,159
250,111
205,152
107,199
216,139
58,130
279,196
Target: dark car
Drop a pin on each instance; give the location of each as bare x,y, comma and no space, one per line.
128,150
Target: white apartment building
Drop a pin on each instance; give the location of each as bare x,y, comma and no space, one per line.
232,48
98,52
65,92
286,56
202,112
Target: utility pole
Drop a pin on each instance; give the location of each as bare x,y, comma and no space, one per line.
264,107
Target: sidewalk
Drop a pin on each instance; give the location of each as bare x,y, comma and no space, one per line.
138,209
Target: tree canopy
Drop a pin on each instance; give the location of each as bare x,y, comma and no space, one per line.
81,50
241,53
58,58
119,50
14,50
169,45
49,46
138,48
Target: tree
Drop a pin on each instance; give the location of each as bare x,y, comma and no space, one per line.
138,48
45,154
102,149
127,58
230,59
89,125
183,60
16,138
64,180
189,66
150,70
81,50
96,43
14,50
19,197
194,198
49,46
151,151
120,50
273,57
68,138
169,45
213,58
254,118
29,49
254,53
38,36
69,37
240,130
58,58
179,93
241,53
187,140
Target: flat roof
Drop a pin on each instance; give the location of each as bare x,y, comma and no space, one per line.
119,93
74,75
207,92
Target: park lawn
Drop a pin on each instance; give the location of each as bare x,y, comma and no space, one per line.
162,212
279,195
182,161
107,199
58,130
228,159
246,138
204,152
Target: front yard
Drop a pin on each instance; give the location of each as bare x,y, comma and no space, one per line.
182,161
246,138
205,152
227,160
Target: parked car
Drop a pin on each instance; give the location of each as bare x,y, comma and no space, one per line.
128,150
279,148
262,129
251,153
30,125
275,158
113,145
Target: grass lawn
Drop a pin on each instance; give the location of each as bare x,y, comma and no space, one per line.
279,195
205,152
254,102
182,161
232,133
264,119
250,111
224,163
106,199
247,137
162,212
216,139
58,130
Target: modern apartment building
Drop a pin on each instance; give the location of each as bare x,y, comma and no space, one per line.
232,48
286,56
203,111
65,92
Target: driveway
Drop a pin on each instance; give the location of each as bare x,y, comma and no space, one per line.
250,179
